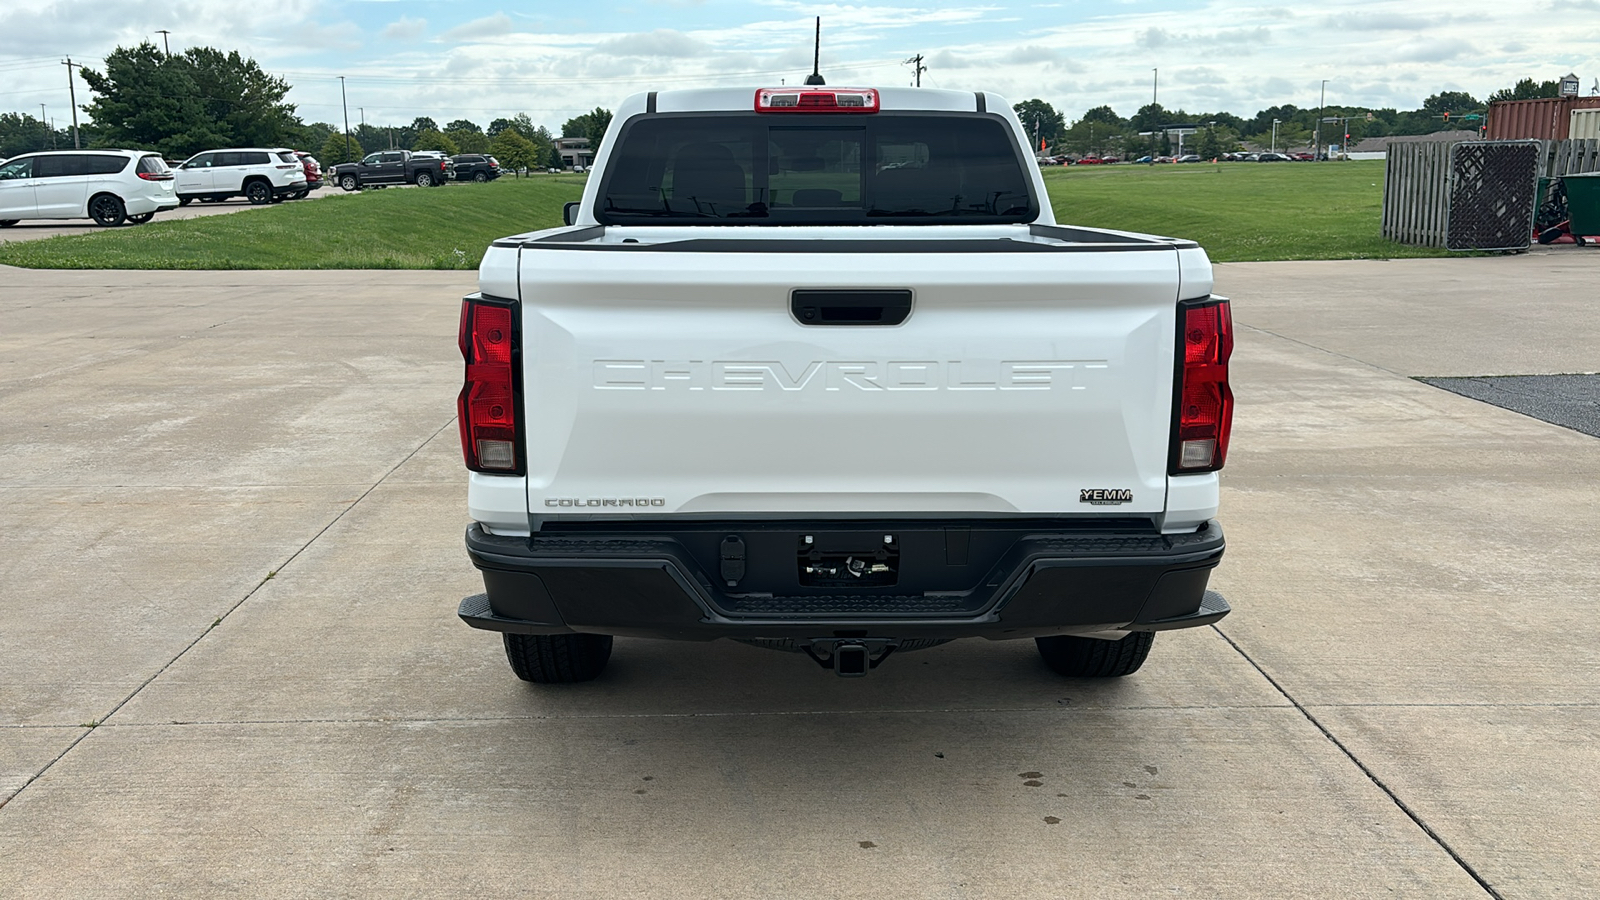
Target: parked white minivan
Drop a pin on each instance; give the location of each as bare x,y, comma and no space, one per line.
262,176
109,186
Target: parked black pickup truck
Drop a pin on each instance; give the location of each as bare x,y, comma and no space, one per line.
392,167
479,167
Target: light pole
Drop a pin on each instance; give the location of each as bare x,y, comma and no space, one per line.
1155,84
164,42
1317,137
1274,135
346,104
44,127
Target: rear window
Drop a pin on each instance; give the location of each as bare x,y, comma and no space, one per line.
255,158
823,169
288,156
152,165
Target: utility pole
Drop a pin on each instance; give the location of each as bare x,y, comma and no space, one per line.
165,44
44,126
919,68
346,104
1274,135
72,91
363,111
1317,137
816,58
1155,83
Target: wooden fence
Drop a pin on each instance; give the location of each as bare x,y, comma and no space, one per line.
1416,184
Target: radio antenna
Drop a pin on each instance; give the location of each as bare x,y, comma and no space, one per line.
816,58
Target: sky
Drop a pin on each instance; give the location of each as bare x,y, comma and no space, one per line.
483,59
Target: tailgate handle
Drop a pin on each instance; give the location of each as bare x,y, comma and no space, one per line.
868,307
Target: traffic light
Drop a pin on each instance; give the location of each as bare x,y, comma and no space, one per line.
1447,118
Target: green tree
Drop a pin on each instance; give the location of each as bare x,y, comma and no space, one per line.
144,98
179,105
334,151
433,140
242,98
1104,115
591,125
1527,89
468,136
514,150
21,133
1457,102
552,159
1041,121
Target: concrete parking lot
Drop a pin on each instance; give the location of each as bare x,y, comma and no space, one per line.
34,229
230,663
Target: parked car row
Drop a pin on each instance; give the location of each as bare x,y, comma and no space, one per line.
114,187
425,168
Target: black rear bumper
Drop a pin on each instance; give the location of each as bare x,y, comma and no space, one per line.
702,581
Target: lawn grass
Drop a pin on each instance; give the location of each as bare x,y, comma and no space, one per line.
416,228
1237,211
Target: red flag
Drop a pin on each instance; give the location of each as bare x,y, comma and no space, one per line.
1041,144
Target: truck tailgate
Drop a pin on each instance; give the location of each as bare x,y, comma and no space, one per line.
684,383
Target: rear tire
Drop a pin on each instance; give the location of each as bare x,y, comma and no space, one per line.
557,658
1081,657
141,218
258,193
185,201
108,211
424,179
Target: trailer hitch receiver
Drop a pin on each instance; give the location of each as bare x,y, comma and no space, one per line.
850,657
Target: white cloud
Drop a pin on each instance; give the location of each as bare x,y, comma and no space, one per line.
478,29
405,28
660,43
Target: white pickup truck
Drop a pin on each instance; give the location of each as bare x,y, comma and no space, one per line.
815,369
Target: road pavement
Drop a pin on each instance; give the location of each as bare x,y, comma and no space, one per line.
230,662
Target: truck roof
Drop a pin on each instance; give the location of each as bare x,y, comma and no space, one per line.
742,99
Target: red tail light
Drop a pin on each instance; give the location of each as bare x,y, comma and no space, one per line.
156,176
1203,416
486,410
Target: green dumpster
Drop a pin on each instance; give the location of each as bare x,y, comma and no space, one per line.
1583,202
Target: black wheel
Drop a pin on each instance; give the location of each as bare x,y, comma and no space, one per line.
1081,657
258,192
185,201
424,179
348,182
299,195
7,223
141,218
108,211
557,658
481,177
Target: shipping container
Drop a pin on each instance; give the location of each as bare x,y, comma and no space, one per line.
1546,120
1585,124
